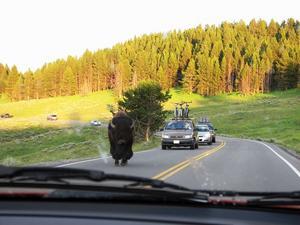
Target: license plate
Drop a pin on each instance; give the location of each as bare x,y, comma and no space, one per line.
176,141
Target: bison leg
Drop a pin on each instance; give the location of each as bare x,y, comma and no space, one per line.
116,162
128,155
124,162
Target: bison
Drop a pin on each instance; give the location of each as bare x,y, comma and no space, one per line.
120,133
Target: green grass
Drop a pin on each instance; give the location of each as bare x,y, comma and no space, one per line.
52,145
29,138
69,109
3,99
273,117
36,145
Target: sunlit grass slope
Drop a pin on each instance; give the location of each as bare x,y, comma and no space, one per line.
70,109
29,138
36,145
274,117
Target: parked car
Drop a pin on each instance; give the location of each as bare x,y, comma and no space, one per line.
52,117
204,134
6,115
211,128
179,133
95,123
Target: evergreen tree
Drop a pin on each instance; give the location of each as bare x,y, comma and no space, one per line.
189,80
29,85
3,78
68,82
257,57
11,86
144,106
123,75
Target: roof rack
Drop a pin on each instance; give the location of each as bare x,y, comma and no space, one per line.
182,119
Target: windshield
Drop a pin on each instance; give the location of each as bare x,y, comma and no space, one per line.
209,125
202,129
178,125
202,94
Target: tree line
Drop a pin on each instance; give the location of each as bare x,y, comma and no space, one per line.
247,58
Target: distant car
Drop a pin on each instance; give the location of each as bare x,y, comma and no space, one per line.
204,134
52,117
95,123
211,128
6,115
179,133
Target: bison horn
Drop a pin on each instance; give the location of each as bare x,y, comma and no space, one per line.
112,125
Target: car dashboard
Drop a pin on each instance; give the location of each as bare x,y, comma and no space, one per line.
90,213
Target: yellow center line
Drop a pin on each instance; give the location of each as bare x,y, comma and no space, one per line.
180,166
184,162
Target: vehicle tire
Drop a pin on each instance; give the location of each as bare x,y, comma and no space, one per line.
196,146
209,143
163,147
214,140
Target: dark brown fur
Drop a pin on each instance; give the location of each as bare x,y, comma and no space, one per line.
120,133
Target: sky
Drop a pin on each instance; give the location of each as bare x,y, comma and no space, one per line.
34,32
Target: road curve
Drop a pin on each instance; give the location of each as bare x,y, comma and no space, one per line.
229,164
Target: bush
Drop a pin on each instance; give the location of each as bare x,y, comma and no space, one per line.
144,105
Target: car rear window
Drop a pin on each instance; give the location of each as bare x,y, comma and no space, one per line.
202,128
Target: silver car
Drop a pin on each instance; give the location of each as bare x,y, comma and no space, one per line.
95,123
52,117
211,128
204,134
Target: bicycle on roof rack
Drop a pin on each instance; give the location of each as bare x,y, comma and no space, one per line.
204,120
181,112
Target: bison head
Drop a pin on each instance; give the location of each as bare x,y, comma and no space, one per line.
114,126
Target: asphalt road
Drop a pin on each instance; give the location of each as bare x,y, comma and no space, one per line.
229,164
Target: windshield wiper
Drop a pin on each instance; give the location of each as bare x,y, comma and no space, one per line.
255,198
67,176
42,174
276,198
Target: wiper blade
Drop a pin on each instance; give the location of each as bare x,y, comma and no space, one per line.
65,175
256,198
14,174
277,198
234,193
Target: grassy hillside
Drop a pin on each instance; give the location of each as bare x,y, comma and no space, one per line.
70,109
30,138
273,117
35,145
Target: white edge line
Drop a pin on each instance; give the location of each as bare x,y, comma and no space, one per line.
101,158
283,159
82,161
